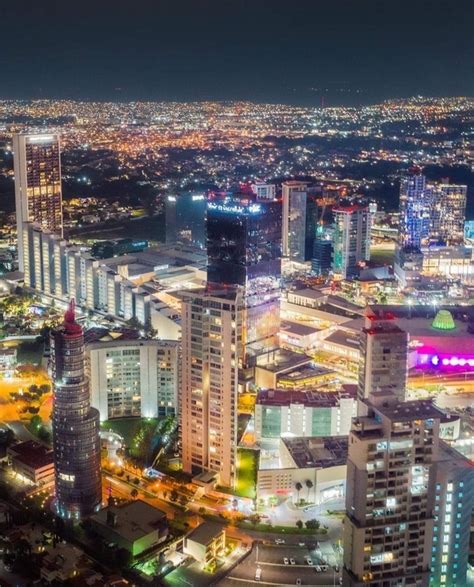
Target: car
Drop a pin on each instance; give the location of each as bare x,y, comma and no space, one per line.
340,580
286,561
324,568
292,561
317,568
302,544
298,581
258,574
309,561
279,541
336,568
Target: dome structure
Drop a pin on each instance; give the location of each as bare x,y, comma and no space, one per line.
443,321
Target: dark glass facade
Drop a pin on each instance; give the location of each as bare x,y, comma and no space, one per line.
244,249
76,440
186,218
243,240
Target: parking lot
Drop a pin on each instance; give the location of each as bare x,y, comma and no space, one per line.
283,564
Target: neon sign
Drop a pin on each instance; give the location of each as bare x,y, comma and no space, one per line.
235,209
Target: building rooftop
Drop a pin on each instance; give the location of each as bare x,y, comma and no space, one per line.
205,532
298,328
317,452
343,338
131,521
282,360
310,398
411,410
32,454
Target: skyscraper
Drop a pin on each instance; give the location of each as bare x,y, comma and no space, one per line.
351,243
186,218
430,212
388,529
448,213
38,198
384,356
294,196
322,252
211,327
244,249
76,440
415,205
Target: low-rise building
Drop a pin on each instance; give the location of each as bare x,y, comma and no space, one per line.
206,543
317,464
281,413
137,526
32,461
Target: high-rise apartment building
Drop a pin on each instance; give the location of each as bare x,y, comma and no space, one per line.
448,213
388,529
453,507
244,249
76,440
264,191
415,205
351,241
211,327
409,499
133,378
430,212
383,356
294,200
37,167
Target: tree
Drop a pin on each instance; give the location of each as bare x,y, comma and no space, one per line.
309,486
134,323
134,493
255,519
299,524
313,524
202,510
174,495
298,488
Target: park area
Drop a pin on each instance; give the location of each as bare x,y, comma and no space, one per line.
247,464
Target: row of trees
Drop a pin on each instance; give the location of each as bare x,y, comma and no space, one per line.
298,486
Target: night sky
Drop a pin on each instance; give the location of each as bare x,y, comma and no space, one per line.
349,51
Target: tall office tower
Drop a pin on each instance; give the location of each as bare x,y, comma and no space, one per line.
351,239
294,196
76,440
384,356
390,494
244,249
37,166
322,252
448,213
415,208
185,215
264,191
211,327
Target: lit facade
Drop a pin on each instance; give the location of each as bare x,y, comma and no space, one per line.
244,249
294,196
38,196
211,339
448,213
388,529
415,205
76,442
351,240
383,356
133,378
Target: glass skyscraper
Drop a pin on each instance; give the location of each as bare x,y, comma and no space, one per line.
76,440
244,249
